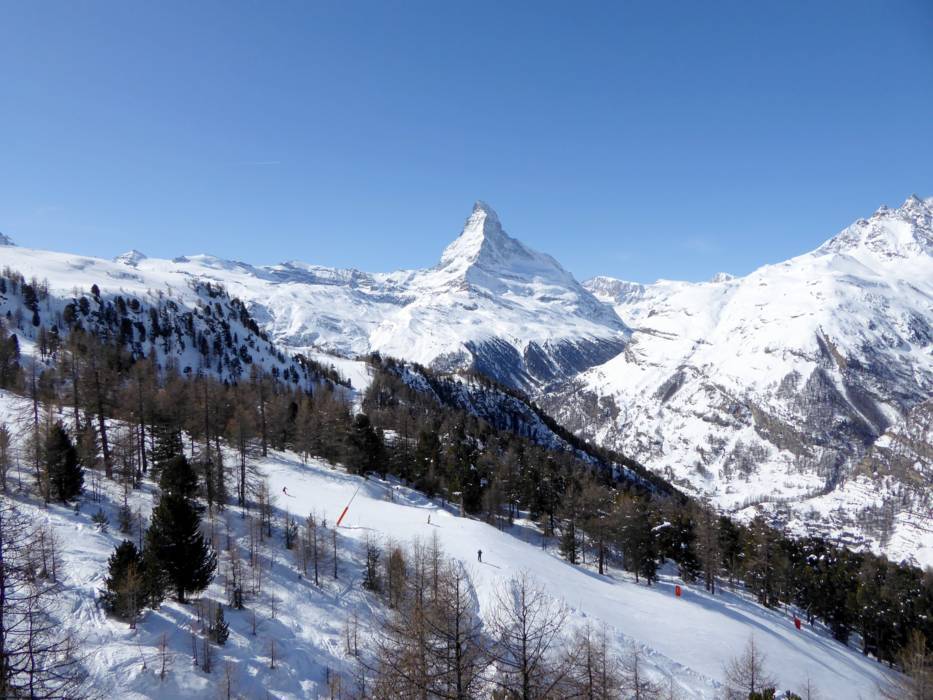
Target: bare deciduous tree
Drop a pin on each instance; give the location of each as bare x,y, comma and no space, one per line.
526,627
916,663
6,455
636,684
745,674
595,672
227,689
37,659
395,570
430,646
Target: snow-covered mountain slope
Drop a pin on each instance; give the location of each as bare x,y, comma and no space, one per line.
790,383
195,325
490,304
687,639
779,387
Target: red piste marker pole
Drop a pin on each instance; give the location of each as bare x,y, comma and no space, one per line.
347,507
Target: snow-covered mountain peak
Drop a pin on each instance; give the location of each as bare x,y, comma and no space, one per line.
482,223
484,249
614,291
721,277
483,210
131,257
6,240
905,232
481,238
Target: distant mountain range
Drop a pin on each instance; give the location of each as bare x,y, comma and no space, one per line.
802,389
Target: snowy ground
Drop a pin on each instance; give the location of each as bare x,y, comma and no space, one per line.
688,638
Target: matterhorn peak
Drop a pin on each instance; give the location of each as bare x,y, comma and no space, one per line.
131,257
481,232
484,243
480,207
6,240
485,257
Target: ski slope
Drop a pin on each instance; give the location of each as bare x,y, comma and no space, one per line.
688,639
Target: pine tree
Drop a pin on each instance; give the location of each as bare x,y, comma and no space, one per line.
155,580
637,539
9,360
763,563
708,549
570,511
178,478
597,507
167,444
220,628
176,542
677,540
65,475
124,591
730,544
364,447
125,518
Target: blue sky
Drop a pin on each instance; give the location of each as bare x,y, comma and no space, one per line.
634,139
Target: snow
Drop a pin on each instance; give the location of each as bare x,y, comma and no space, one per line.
358,372
486,287
696,356
131,257
704,357
688,638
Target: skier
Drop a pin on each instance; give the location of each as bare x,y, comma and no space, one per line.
479,555
285,490
429,518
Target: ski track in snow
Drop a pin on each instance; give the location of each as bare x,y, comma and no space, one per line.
689,638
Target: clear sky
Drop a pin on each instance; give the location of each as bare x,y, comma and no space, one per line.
634,139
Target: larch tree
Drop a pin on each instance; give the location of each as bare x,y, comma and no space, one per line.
38,659
746,673
526,627
916,664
